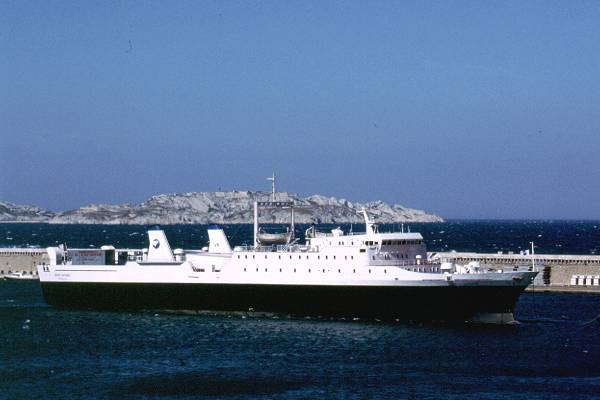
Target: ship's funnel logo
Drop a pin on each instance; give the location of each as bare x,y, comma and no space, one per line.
156,243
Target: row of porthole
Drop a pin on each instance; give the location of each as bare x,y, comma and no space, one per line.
310,270
299,257
435,269
400,242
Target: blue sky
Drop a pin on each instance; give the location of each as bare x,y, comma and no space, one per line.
466,109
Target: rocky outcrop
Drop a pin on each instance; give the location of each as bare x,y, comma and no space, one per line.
236,208
23,213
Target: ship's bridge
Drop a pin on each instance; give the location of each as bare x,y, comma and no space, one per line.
365,239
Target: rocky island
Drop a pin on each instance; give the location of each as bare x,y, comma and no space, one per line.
234,207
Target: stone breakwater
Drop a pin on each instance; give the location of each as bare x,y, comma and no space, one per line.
221,208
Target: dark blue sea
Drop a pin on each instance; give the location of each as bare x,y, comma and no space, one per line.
552,237
553,353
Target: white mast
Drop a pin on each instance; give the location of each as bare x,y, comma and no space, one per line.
272,179
532,256
255,223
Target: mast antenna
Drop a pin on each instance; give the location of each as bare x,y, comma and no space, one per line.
272,179
532,256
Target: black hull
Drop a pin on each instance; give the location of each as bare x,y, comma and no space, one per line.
385,302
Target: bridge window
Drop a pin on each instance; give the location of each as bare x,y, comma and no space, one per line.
265,256
339,271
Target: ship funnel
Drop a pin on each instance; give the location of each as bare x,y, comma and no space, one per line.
159,249
217,241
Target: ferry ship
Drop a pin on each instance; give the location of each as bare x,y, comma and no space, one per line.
338,274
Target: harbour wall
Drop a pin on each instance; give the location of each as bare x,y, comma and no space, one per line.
21,260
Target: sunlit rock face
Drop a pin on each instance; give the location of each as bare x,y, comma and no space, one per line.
220,207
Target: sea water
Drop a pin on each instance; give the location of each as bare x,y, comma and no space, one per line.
552,237
553,353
